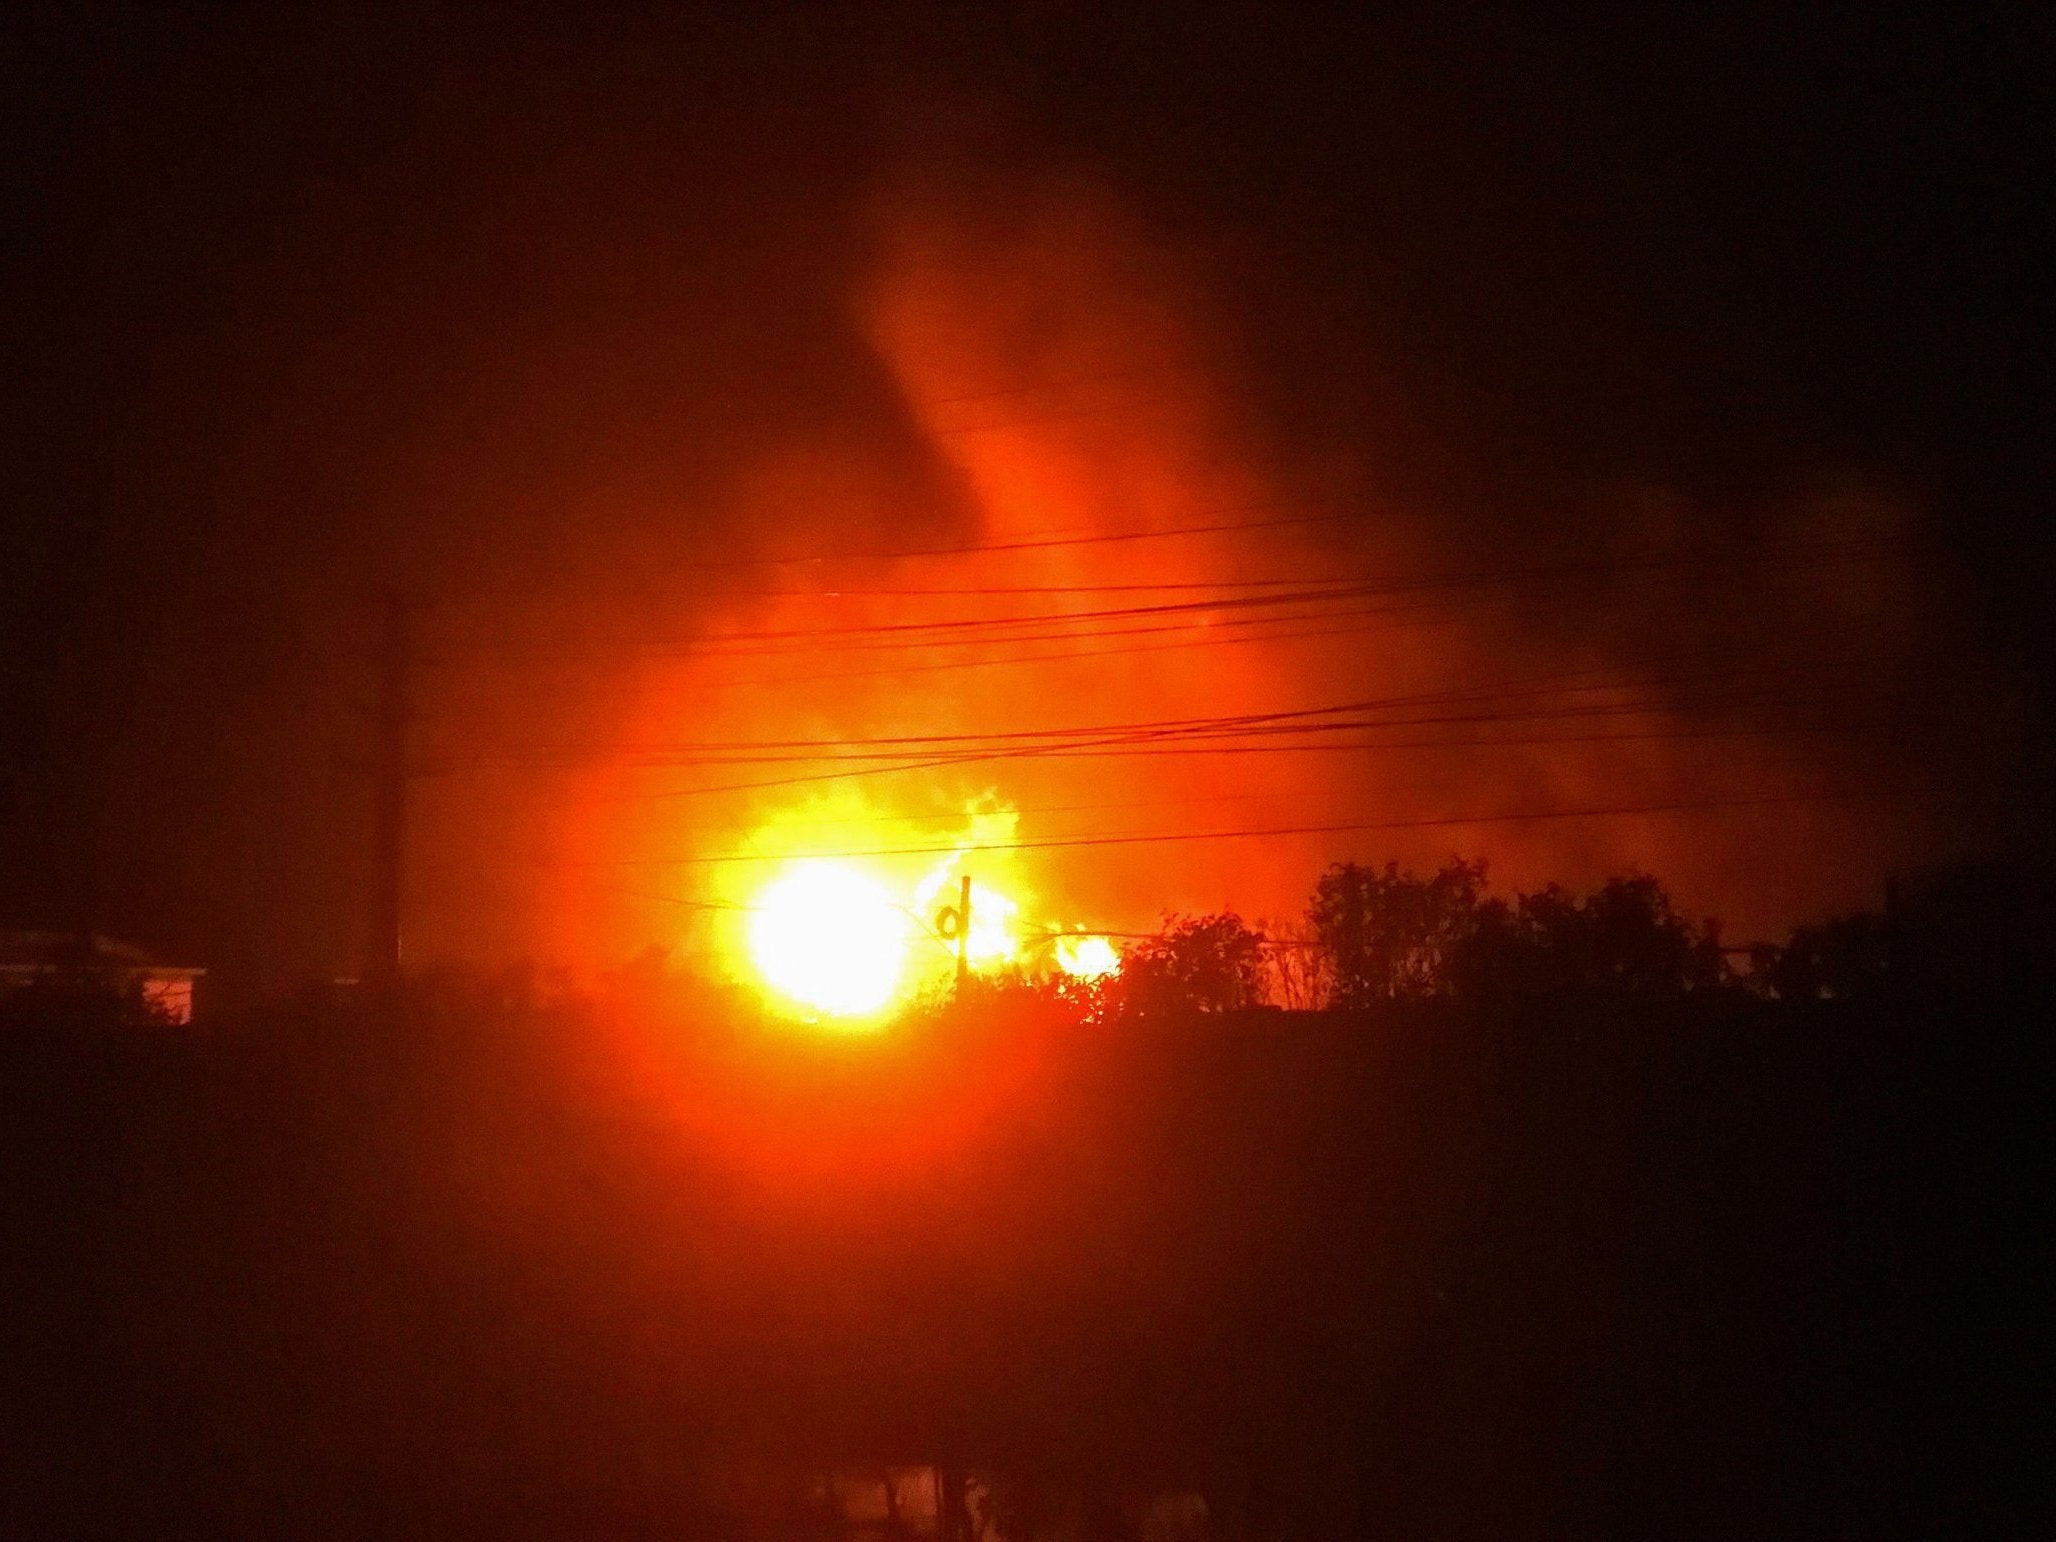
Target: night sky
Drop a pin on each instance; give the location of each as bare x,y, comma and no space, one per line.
559,326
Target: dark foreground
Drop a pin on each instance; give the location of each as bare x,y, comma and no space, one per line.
477,1265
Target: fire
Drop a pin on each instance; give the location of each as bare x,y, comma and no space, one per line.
842,938
992,938
1087,957
826,937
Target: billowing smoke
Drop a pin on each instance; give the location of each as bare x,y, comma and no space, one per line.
1751,701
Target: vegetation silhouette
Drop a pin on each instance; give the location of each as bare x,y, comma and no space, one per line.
1564,1231
1392,936
1194,964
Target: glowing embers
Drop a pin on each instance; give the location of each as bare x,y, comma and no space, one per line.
825,937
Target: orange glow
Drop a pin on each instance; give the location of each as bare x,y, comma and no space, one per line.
1060,374
952,316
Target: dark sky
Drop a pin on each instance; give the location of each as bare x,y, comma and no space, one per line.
306,304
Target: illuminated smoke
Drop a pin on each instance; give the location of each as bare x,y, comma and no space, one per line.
1063,372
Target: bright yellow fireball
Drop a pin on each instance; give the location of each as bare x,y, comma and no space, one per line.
1087,957
824,936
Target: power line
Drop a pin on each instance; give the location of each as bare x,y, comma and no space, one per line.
1313,590
1855,546
1304,595
1162,837
1365,746
1115,737
1680,696
963,817
1303,592
1152,725
942,666
1118,744
1296,720
1281,630
1301,738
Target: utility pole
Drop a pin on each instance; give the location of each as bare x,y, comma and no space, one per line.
390,772
963,932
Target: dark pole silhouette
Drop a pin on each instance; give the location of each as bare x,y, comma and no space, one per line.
963,932
390,772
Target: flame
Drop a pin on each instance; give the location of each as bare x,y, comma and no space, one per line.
838,939
992,938
1122,428
1087,956
827,937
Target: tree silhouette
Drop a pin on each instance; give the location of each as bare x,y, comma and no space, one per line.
1625,938
1195,964
1837,960
1392,936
